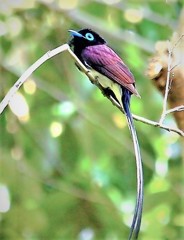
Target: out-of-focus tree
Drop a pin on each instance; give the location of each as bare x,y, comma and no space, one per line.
67,168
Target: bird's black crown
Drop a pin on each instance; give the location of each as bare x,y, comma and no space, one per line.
86,37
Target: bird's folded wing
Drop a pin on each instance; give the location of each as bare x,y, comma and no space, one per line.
104,60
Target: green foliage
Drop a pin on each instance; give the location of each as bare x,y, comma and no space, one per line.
67,168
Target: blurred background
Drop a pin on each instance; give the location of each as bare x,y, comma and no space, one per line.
67,167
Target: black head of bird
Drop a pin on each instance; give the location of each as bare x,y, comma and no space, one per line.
85,37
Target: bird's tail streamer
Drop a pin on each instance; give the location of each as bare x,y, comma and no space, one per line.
136,222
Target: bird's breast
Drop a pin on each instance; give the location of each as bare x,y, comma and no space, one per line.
108,83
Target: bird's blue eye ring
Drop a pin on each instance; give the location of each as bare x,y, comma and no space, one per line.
89,36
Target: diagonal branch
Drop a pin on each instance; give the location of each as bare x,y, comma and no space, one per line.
28,72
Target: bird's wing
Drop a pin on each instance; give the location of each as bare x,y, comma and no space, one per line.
105,61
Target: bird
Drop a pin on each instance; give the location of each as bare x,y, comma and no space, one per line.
116,81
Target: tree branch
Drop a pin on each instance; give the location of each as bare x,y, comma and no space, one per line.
166,71
28,72
168,82
163,115
65,47
176,109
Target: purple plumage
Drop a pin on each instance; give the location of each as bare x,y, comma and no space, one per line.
105,61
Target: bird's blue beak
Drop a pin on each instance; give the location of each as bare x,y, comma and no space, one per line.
75,34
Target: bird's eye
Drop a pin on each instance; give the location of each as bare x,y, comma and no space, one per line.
89,36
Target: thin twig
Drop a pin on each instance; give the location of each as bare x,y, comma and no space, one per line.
176,109
65,47
167,88
177,42
157,124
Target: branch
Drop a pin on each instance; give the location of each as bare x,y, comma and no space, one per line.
168,82
163,115
176,109
94,80
157,124
28,72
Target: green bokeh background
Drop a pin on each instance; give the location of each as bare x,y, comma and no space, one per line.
67,168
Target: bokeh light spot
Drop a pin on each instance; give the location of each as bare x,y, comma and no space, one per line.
158,184
111,2
56,129
161,168
119,120
19,107
65,109
30,87
68,5
4,199
86,234
14,26
133,15
16,153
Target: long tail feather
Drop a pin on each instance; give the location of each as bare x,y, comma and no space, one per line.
136,222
